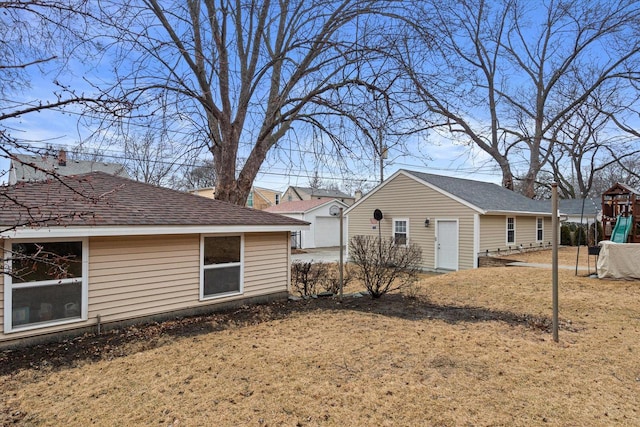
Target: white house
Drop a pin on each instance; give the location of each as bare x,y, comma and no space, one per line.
323,214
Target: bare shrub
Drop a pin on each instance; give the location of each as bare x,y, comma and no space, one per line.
309,277
382,265
306,276
331,280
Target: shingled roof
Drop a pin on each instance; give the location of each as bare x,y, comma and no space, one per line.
22,167
300,206
321,192
100,199
487,196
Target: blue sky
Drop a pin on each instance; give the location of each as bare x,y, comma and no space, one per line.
444,157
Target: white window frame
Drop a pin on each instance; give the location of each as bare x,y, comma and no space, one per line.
9,286
539,228
393,230
222,265
250,199
507,231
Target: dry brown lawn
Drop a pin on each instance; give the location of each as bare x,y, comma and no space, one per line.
567,256
472,348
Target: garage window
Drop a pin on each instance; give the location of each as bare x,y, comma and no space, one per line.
401,231
511,230
539,229
221,267
45,284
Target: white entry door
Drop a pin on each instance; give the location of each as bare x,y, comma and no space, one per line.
447,244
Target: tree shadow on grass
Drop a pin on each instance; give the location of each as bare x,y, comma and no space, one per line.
400,306
127,340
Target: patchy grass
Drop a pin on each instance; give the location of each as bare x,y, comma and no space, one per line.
471,348
567,256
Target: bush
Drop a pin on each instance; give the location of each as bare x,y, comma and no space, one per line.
307,277
330,281
581,236
565,235
383,266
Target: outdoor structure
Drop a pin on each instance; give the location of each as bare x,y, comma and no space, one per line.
579,211
618,260
28,167
293,194
322,214
453,220
131,252
621,214
259,198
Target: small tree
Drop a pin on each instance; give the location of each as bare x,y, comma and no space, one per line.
382,265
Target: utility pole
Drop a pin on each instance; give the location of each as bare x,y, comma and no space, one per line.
341,252
554,256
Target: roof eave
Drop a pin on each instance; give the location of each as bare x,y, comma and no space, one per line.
112,231
520,213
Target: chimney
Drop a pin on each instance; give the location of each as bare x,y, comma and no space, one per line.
358,195
62,158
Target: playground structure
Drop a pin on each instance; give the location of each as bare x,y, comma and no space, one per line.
621,214
619,252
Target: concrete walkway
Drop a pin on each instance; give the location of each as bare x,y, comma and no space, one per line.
536,265
331,254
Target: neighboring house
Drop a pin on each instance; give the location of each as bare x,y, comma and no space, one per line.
572,210
453,220
322,214
28,167
136,252
306,193
259,198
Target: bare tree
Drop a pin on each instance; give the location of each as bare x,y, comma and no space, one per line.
238,75
200,174
150,158
43,37
626,171
497,72
585,146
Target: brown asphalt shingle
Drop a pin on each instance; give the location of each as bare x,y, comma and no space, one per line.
100,199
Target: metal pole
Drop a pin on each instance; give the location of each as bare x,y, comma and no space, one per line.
554,256
341,253
382,155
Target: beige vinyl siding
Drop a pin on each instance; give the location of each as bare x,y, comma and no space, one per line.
403,197
161,275
266,263
493,232
140,276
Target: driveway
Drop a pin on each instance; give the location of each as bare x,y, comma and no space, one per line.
331,254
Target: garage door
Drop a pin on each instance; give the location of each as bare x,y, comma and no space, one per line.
327,231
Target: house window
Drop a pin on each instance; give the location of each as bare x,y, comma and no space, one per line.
250,200
400,231
511,230
46,283
539,229
221,266
277,199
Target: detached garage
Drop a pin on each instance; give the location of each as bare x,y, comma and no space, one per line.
453,220
324,230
